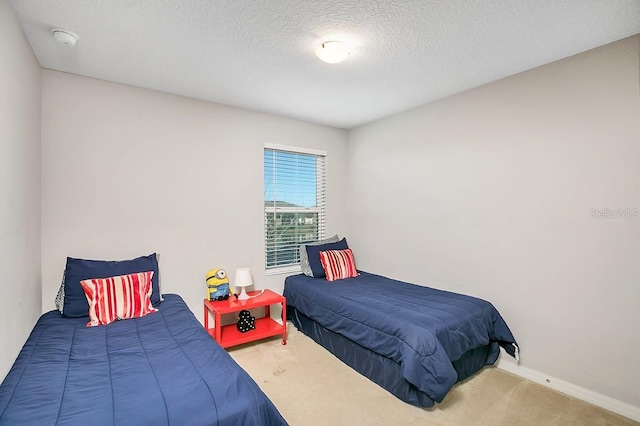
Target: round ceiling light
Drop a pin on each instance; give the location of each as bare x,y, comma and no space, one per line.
64,37
332,52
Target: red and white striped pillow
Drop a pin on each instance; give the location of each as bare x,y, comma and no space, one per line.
117,298
338,264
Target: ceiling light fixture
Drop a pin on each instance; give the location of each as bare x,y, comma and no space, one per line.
332,52
64,36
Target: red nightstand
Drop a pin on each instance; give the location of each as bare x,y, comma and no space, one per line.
228,335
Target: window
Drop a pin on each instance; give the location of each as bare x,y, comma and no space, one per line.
294,202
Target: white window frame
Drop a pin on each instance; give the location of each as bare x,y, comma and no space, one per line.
320,207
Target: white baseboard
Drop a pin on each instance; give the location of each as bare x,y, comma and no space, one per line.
603,401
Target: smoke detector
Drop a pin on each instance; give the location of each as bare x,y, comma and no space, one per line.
64,36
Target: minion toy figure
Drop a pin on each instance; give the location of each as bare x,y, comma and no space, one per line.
217,285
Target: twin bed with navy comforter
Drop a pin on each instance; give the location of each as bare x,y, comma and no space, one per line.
414,341
161,368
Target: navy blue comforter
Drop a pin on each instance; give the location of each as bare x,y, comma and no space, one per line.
162,369
421,328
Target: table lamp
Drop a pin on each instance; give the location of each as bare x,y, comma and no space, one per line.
243,279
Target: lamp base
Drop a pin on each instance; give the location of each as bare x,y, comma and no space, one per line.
243,295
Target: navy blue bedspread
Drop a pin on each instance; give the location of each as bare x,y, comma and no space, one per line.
162,369
421,328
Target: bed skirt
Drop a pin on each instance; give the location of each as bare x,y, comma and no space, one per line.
382,370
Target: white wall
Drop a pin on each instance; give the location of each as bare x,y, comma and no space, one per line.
19,188
128,171
489,193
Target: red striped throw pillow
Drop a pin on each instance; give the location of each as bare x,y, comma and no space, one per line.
338,264
117,298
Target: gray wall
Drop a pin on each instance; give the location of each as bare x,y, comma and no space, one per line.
491,192
19,188
128,171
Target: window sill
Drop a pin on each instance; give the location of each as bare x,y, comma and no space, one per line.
294,269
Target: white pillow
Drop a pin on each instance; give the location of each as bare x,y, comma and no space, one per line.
304,259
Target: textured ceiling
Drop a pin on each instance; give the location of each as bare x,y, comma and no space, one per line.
259,54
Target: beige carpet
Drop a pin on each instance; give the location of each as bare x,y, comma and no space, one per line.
312,387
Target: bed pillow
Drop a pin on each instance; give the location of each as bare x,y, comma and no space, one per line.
313,252
75,302
118,298
304,259
60,296
338,264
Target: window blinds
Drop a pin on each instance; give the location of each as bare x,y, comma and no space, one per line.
294,203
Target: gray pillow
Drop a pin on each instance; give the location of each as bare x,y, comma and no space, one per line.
304,259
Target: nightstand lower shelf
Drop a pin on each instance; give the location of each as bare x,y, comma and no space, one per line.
230,336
